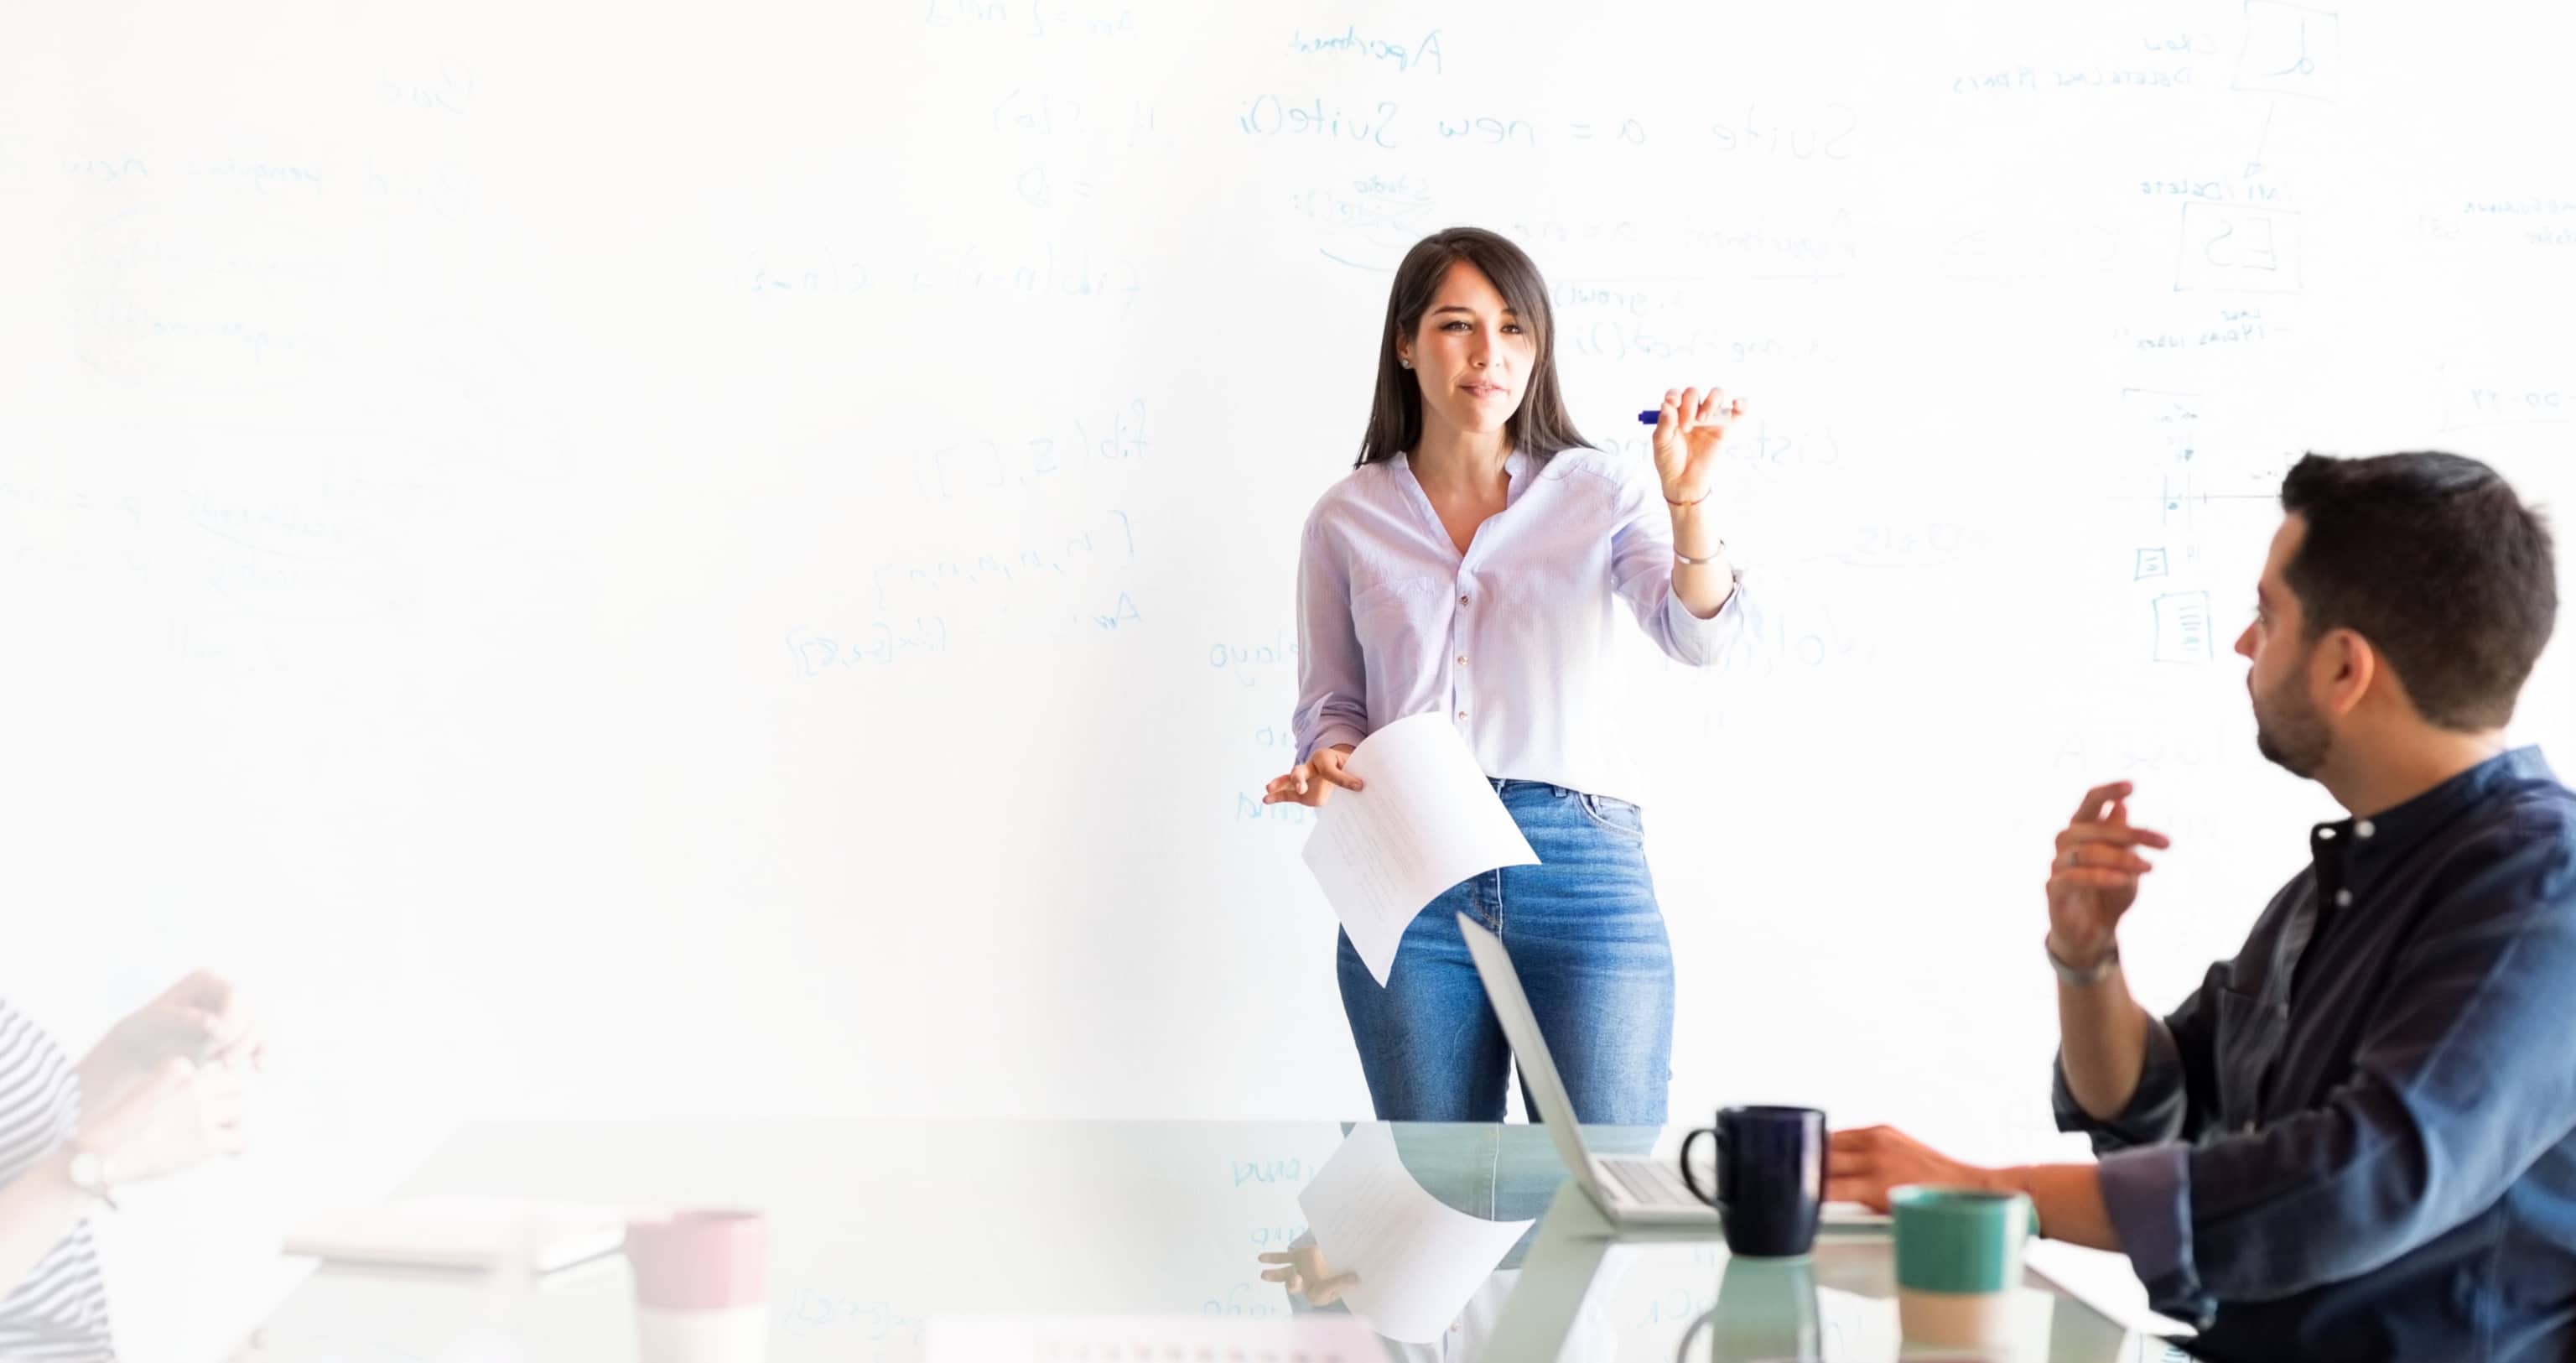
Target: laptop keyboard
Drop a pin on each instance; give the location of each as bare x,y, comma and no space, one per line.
1651,1183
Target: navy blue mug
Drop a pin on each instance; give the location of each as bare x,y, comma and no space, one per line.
1770,1178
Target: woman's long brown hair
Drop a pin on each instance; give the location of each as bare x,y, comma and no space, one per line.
1540,427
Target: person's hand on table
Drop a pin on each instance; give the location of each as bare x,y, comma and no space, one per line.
1865,1163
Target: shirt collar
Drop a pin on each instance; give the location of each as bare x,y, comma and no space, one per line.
1516,469
2371,846
1515,463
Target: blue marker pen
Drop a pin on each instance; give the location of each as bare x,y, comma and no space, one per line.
1734,407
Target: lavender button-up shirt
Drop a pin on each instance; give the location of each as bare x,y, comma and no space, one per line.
1514,640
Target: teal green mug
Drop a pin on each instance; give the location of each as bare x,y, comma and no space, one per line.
1958,1262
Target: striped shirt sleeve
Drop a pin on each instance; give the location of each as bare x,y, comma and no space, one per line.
59,1310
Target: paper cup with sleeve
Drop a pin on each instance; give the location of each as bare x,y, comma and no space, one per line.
1958,1262
701,1286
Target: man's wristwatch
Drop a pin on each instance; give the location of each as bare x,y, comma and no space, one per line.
88,1171
2083,975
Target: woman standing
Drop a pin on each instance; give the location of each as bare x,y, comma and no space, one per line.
1472,565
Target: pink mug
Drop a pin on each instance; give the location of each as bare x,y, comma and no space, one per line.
701,1286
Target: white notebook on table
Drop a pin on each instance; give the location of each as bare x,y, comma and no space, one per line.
470,1233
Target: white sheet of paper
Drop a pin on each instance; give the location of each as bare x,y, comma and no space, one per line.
1050,1339
1428,820
1418,1258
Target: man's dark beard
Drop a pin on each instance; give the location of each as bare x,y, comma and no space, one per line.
2292,736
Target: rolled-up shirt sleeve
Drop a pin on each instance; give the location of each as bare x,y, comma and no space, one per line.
1641,562
2142,1145
1332,678
2163,1108
2460,1083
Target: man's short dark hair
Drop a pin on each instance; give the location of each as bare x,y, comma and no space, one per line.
2432,559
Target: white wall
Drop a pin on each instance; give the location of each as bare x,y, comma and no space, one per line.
659,559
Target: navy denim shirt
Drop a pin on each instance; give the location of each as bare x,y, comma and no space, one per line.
2357,1139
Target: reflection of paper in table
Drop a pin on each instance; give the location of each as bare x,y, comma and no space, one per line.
1428,820
1045,1339
1418,1259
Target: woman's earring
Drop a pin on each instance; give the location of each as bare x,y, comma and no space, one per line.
1405,362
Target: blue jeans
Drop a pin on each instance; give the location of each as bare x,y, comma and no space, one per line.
1587,938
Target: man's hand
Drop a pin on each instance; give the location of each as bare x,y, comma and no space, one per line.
2066,1199
2093,877
1865,1163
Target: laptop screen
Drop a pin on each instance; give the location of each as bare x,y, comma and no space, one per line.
1520,1027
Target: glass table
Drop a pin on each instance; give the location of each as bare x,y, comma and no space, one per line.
894,1240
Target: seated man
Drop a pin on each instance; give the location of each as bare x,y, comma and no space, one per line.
2357,1139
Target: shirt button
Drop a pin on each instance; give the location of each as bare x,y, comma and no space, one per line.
1462,714
1464,600
1462,660
2343,899
2363,829
2250,1126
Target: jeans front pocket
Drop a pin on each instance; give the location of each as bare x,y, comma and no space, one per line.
1613,815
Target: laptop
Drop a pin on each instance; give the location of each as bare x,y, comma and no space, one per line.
1631,1190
